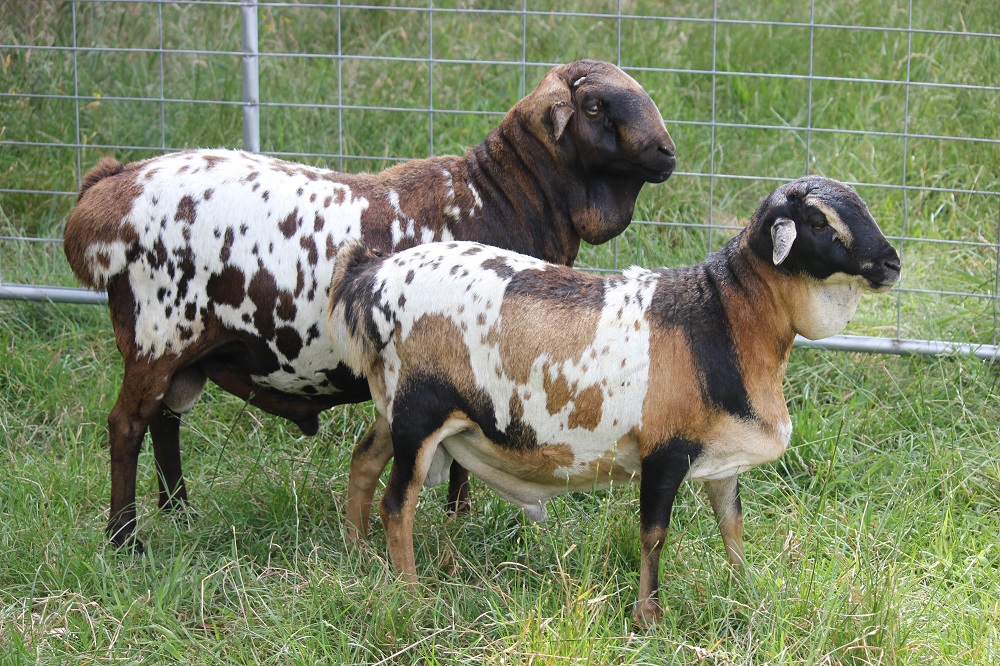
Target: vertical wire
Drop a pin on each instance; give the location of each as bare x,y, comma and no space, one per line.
906,196
809,108
430,73
76,101
340,88
524,46
619,63
996,283
711,168
163,104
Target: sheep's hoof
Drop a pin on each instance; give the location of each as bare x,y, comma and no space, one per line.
128,545
647,613
309,426
356,534
176,502
181,512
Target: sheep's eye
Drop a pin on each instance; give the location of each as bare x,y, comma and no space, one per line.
592,108
818,222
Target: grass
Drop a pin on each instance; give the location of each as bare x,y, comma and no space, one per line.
872,541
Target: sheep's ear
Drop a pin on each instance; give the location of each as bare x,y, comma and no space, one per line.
560,113
782,236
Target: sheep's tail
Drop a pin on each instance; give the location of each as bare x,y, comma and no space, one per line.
97,236
105,167
350,323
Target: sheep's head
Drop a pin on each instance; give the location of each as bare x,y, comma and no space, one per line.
820,232
604,131
605,117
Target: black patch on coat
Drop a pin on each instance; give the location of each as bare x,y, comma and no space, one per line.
289,342
227,245
185,210
663,471
421,393
688,298
187,271
290,224
157,256
226,287
286,306
263,293
308,244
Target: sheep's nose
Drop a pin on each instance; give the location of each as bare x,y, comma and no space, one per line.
667,149
893,264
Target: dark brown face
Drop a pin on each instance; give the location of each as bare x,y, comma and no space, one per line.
618,129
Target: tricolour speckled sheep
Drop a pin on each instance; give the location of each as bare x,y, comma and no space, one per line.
540,379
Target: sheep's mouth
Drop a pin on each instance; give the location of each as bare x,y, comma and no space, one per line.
657,175
879,287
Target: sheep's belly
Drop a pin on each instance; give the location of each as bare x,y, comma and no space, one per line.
530,478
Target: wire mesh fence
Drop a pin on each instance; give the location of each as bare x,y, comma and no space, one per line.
899,99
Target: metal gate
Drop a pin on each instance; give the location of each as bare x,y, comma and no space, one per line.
60,110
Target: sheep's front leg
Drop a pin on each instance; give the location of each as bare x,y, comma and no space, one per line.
662,474
368,460
724,494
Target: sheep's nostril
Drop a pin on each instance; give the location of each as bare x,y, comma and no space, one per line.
893,264
667,149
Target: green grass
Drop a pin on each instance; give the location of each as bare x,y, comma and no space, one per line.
872,541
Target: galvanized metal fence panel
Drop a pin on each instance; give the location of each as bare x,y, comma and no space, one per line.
269,66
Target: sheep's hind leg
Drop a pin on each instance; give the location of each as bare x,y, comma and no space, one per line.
724,494
139,400
413,452
368,460
164,429
458,489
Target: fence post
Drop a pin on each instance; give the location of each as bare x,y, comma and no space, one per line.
251,77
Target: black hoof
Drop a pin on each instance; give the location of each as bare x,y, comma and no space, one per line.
309,426
129,546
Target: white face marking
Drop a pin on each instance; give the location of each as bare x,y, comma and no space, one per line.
226,190
833,219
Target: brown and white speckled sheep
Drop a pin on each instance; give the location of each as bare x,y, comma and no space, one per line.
217,263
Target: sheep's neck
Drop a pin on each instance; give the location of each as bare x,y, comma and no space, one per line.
756,312
524,207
